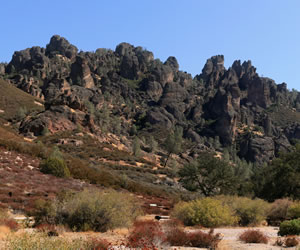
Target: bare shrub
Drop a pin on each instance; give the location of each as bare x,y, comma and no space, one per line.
146,234
253,236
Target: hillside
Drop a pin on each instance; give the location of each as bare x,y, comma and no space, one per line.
15,103
132,121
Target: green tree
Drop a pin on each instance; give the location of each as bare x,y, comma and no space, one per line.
173,143
152,144
282,176
136,146
209,175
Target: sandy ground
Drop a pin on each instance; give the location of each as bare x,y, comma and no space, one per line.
229,242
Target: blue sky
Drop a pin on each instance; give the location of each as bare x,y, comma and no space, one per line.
267,32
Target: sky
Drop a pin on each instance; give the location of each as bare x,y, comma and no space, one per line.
267,32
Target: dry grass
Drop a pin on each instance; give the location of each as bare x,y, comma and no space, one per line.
4,232
21,182
12,98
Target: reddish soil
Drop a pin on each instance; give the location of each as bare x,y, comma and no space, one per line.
21,182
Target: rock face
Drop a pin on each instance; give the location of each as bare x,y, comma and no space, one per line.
81,74
235,107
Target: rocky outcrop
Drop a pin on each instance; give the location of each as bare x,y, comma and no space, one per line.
161,118
60,46
2,68
258,149
57,118
134,61
129,87
212,72
81,74
153,89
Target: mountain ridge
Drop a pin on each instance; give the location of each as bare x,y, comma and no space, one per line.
128,89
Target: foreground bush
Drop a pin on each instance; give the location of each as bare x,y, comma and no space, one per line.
203,240
178,237
36,241
146,235
291,227
253,236
55,166
278,211
249,212
153,235
207,212
90,210
291,242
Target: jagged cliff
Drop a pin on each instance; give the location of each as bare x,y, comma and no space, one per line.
117,90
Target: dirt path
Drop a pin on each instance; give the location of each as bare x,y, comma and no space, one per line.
230,240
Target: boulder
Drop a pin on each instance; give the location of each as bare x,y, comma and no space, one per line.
161,118
153,89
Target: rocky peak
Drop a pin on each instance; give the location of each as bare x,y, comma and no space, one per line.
172,62
61,46
214,64
124,49
212,72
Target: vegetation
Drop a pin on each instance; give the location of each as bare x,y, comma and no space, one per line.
207,212
209,175
282,177
15,102
290,227
293,210
55,166
146,235
279,211
253,236
151,235
89,210
250,212
5,220
173,143
37,241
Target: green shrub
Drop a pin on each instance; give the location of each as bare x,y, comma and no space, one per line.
250,212
278,211
90,210
55,166
207,212
290,227
184,212
293,211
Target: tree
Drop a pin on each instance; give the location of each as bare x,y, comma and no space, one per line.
209,175
282,177
152,144
173,143
136,147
